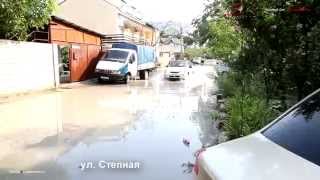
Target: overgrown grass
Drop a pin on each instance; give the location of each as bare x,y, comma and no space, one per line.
233,83
247,108
246,114
227,84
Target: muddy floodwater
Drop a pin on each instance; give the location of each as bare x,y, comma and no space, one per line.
72,133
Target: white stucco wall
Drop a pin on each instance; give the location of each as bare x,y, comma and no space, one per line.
101,16
26,66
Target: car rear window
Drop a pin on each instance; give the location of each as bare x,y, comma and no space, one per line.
177,64
299,130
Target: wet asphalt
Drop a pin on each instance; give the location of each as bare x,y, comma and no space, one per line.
67,134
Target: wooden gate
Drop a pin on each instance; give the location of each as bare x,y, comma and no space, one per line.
85,47
83,60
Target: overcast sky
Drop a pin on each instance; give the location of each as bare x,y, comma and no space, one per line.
165,10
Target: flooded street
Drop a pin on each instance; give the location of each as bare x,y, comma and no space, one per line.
52,134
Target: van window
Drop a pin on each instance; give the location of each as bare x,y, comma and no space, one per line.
116,55
132,59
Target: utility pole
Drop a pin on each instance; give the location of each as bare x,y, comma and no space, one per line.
181,41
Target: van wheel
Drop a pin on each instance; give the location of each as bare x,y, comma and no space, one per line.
144,75
141,75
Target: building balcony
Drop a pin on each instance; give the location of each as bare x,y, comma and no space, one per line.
118,38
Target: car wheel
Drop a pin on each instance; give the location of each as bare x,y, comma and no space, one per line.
127,79
100,81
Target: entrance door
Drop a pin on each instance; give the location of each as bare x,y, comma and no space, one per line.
64,65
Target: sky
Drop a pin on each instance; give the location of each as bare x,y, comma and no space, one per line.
183,11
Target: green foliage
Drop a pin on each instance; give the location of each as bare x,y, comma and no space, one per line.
18,17
212,12
232,83
247,107
225,41
274,54
188,40
246,115
64,54
219,35
227,84
192,53
279,47
215,116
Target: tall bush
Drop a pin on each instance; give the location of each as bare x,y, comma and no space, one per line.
18,17
246,115
232,83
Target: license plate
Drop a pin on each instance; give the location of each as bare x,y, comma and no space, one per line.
105,78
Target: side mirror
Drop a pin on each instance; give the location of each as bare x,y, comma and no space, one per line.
131,61
190,66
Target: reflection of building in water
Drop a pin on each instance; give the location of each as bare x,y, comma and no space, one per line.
36,135
208,133
107,134
190,103
26,124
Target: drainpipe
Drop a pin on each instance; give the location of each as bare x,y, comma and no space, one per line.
54,66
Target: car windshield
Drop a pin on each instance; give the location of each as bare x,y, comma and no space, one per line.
116,56
299,130
177,64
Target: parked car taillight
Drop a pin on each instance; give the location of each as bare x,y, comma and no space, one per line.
196,165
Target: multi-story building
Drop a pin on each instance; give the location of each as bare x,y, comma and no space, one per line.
116,19
170,49
84,28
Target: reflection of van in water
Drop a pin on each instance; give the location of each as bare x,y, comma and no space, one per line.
125,61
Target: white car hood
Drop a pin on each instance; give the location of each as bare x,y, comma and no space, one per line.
256,158
109,65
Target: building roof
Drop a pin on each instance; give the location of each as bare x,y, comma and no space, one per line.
151,26
68,23
124,11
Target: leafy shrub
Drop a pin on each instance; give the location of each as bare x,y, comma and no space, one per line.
246,115
232,83
215,115
227,84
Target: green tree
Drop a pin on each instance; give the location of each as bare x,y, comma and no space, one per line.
212,11
225,41
279,41
188,40
219,35
282,44
278,61
192,53
18,17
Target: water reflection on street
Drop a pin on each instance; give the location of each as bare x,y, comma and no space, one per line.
145,121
